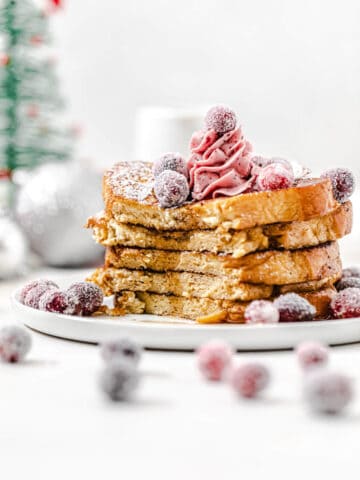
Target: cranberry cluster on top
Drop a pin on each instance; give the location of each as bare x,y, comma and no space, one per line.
221,160
81,298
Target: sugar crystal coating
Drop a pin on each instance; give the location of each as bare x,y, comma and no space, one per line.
348,282
293,308
261,311
282,161
249,379
311,354
36,283
87,296
220,118
346,304
343,183
274,177
213,359
119,380
57,301
34,296
170,161
327,392
171,189
121,349
15,343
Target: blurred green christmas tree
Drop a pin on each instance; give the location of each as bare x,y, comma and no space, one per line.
29,96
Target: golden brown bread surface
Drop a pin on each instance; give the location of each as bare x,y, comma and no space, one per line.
316,231
114,280
193,308
272,267
128,197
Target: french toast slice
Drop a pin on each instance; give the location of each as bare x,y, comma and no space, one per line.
128,196
207,310
114,280
272,267
291,236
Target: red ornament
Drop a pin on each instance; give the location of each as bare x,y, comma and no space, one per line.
56,3
4,59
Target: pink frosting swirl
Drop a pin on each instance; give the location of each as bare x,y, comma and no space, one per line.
220,166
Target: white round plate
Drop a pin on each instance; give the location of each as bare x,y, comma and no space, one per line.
153,331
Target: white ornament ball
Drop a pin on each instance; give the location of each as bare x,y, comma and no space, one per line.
52,208
13,248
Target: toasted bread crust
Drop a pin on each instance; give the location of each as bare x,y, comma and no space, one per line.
273,267
195,308
128,196
115,280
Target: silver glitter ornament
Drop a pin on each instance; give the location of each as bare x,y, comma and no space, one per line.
52,208
13,248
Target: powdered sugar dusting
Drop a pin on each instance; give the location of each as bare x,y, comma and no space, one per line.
133,180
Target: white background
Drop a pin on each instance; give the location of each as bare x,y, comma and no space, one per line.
290,68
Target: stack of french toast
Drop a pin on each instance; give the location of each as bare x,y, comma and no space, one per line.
207,260
232,239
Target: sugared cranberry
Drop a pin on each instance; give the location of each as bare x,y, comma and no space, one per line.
171,189
213,359
282,161
343,183
250,379
312,354
33,298
327,392
87,297
274,177
15,343
346,304
260,161
170,161
351,272
348,282
119,381
122,349
221,119
261,311
40,285
293,308
57,301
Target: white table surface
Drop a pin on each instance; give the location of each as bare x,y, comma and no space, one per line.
55,423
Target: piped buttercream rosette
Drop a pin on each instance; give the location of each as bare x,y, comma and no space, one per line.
220,166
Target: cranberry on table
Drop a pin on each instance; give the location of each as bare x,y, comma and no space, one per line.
44,284
170,161
346,304
119,381
87,297
312,354
122,349
327,392
249,379
343,183
261,311
293,308
213,359
15,344
171,189
275,177
347,282
220,118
